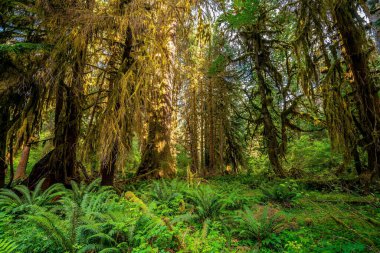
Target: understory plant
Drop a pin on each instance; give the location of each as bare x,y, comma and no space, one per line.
7,246
259,224
282,193
207,204
21,200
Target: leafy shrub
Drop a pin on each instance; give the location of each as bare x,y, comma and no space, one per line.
316,154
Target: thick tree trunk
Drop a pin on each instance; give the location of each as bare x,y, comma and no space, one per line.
3,164
108,164
270,133
357,161
21,168
66,137
157,160
59,165
368,104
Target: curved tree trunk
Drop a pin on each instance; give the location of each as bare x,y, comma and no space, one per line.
59,165
261,59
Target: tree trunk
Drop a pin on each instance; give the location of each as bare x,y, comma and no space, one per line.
157,160
108,164
108,167
59,165
193,131
270,131
4,120
368,104
21,168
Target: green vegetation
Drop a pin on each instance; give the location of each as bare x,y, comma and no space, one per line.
165,126
177,217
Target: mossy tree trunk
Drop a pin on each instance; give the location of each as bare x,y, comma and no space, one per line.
109,161
366,95
256,44
21,168
157,159
59,165
4,120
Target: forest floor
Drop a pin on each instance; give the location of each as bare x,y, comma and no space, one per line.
223,214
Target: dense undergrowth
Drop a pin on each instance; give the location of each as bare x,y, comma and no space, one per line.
226,214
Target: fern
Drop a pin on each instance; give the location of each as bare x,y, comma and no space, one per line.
164,192
110,250
283,193
55,230
208,205
21,199
259,225
7,246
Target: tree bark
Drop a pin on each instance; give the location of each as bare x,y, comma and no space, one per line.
157,160
367,100
157,156
21,168
261,58
108,167
4,121
59,165
108,164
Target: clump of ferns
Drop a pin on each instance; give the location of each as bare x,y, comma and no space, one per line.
61,232
206,203
120,233
258,224
21,200
167,197
164,191
236,200
91,198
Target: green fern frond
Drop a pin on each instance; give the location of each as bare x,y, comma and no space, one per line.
9,197
110,250
26,193
47,222
38,188
101,238
7,246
